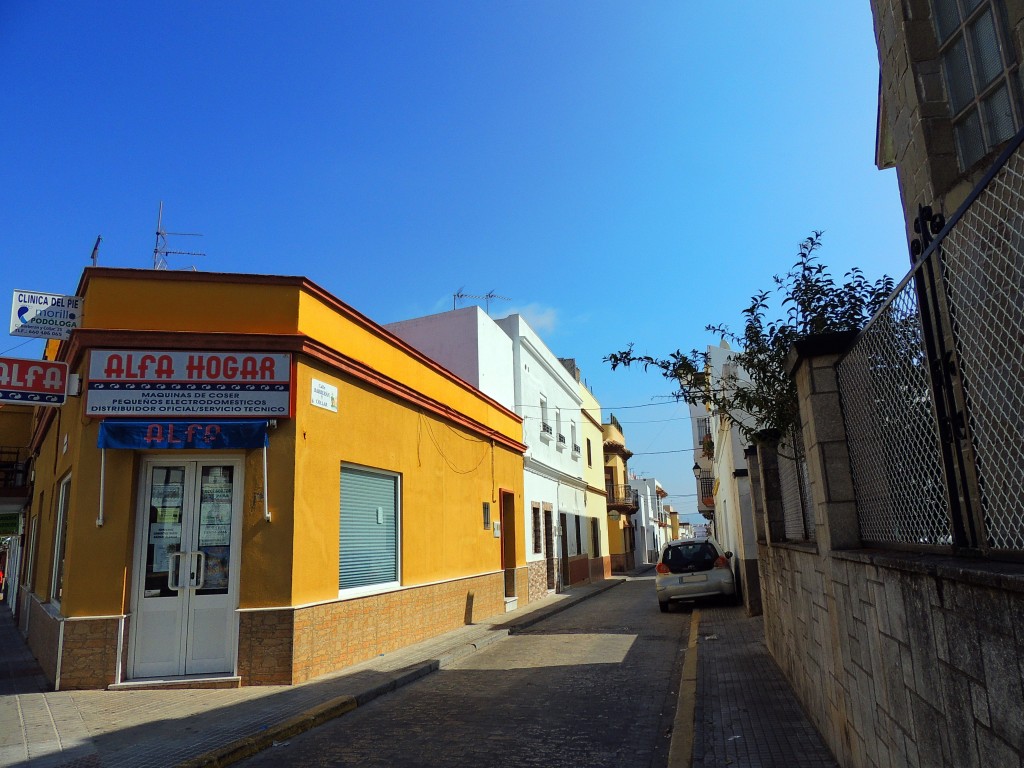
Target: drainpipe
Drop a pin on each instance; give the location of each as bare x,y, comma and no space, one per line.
103,477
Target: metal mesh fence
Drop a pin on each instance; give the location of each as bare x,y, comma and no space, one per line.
983,266
797,507
891,429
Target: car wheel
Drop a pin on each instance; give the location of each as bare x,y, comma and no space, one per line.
663,606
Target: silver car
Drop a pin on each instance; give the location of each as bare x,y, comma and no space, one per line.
689,569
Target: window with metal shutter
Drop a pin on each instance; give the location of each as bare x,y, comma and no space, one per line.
368,540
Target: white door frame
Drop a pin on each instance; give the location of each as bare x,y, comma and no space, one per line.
187,599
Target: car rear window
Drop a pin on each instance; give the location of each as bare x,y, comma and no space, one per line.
691,556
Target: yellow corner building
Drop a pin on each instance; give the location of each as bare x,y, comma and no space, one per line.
256,485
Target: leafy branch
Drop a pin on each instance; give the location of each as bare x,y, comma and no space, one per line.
755,391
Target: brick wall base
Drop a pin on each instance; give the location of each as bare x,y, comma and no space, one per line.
90,654
538,576
294,645
622,563
43,638
89,657
600,568
579,570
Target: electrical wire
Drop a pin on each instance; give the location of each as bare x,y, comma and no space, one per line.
17,346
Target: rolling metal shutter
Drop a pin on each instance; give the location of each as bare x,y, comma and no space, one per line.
368,540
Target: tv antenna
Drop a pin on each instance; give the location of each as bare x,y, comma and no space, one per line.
487,297
161,251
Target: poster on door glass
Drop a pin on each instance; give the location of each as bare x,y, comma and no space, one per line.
165,538
216,493
214,535
215,513
165,499
216,572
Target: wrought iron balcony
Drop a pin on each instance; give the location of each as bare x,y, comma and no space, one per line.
622,498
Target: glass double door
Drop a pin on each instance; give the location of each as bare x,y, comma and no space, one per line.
186,568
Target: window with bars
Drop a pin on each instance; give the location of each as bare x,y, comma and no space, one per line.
980,73
538,542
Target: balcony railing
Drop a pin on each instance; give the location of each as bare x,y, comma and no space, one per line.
546,432
622,498
703,427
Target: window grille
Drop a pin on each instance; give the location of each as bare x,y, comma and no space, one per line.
980,75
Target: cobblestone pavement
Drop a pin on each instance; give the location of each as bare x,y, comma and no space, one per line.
746,713
599,654
41,728
593,686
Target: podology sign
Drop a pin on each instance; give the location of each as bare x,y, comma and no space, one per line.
45,315
186,383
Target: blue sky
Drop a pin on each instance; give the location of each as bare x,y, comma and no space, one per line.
622,171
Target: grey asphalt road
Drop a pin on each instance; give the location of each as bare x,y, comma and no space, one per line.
595,685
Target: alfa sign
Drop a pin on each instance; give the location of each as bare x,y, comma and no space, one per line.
45,315
33,382
174,383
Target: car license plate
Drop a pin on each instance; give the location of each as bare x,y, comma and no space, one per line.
692,578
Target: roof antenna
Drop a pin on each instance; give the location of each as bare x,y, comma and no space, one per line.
486,297
161,251
96,250
492,295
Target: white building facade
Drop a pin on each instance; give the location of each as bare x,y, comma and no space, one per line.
508,361
651,520
732,514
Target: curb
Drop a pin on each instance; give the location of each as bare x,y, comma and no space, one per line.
247,746
680,751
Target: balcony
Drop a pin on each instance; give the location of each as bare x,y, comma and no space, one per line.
546,433
622,498
576,451
561,442
706,488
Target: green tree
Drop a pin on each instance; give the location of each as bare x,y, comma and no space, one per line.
757,394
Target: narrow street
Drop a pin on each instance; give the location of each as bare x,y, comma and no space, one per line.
595,685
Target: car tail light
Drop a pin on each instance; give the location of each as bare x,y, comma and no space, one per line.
722,562
662,568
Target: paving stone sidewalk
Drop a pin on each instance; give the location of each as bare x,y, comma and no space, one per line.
40,728
747,715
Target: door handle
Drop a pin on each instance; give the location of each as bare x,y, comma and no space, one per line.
173,571
200,569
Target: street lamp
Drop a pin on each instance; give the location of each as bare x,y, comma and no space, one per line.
696,470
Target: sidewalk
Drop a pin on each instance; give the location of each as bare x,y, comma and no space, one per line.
746,713
161,728
744,717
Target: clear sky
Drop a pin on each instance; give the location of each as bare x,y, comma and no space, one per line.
621,171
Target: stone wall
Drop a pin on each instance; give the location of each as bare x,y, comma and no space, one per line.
899,658
916,132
